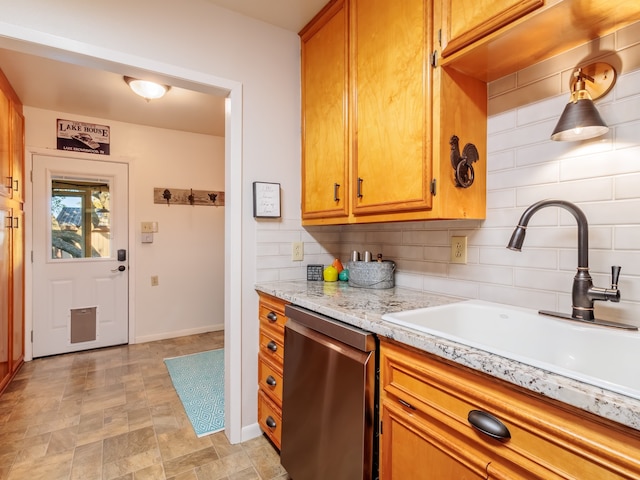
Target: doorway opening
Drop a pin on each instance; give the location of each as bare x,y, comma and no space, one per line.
56,48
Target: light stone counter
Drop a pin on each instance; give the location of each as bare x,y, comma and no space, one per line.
364,308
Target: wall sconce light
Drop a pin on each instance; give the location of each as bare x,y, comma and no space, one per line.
580,119
146,89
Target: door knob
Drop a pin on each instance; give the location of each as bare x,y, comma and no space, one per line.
121,268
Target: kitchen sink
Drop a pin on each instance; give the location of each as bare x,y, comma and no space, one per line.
601,356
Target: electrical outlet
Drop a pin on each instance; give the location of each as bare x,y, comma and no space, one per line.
458,249
297,251
154,281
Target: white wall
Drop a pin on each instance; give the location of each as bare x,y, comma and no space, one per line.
188,251
199,42
602,176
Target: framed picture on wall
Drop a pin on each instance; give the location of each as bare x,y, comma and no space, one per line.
266,200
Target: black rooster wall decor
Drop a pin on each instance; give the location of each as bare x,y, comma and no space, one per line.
463,164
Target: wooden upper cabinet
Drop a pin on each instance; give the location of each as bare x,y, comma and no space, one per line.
391,127
17,153
5,146
378,116
491,39
325,151
467,21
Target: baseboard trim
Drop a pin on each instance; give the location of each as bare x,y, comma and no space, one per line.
250,432
178,333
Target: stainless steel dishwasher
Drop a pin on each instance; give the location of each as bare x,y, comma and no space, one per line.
329,406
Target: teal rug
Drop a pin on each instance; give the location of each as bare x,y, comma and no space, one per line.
199,382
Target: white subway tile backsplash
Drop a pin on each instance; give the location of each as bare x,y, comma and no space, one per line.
626,135
583,191
627,85
617,162
544,280
501,198
539,174
532,258
546,110
501,161
501,122
627,237
520,297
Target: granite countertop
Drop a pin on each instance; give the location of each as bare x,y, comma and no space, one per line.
364,308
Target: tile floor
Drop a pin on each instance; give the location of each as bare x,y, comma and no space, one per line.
113,414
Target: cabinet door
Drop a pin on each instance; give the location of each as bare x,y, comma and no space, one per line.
5,289
467,21
5,147
17,154
324,116
17,306
415,450
391,42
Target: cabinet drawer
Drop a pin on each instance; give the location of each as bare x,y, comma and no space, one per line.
270,379
270,418
272,346
271,314
550,439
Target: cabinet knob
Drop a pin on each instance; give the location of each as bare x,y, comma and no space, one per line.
272,317
271,423
272,346
271,381
488,424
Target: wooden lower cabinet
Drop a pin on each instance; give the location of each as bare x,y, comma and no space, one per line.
426,434
270,363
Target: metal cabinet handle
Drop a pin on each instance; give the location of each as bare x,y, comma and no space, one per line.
336,186
271,381
488,424
16,222
406,404
273,346
272,317
9,183
359,192
271,423
15,185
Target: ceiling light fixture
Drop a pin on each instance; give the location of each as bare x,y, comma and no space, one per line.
146,89
580,119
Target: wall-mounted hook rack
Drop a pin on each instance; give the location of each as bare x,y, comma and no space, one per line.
184,196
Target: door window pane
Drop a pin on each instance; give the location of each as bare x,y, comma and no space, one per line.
80,219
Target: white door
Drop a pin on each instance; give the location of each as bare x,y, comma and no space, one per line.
80,255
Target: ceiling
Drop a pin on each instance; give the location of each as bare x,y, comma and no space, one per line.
73,88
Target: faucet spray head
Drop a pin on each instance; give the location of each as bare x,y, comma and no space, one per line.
517,238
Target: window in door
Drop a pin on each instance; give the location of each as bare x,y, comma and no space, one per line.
80,219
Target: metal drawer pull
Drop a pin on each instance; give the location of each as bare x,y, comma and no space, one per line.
271,423
16,188
359,189
336,186
272,317
488,424
271,381
406,404
272,346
